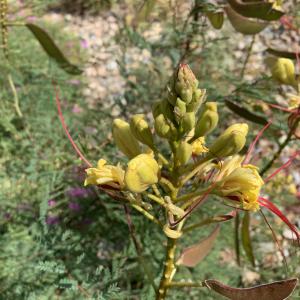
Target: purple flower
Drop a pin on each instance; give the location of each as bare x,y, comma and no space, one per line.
84,44
51,202
31,18
52,220
78,192
74,206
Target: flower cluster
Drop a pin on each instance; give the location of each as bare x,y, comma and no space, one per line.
179,180
191,169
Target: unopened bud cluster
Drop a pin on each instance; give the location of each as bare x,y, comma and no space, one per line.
182,120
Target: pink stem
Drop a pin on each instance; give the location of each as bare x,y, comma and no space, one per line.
251,148
280,107
284,166
62,120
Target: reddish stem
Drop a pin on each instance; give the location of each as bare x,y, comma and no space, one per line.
62,120
251,148
284,166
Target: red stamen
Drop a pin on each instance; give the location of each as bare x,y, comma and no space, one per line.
284,166
274,209
251,148
62,120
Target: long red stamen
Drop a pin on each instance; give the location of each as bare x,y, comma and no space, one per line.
62,120
284,166
251,148
274,209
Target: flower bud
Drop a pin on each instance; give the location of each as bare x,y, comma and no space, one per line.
208,119
163,107
283,70
187,122
141,130
179,109
185,83
124,138
183,153
142,171
197,100
165,128
230,142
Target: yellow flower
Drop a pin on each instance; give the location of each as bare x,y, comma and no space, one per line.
239,182
277,4
199,146
294,101
105,175
142,171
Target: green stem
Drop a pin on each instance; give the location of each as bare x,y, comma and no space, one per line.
176,284
247,56
280,149
16,98
194,171
167,183
169,270
158,200
146,214
190,196
237,238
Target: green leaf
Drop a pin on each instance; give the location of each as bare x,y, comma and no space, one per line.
244,25
244,113
278,290
52,50
285,54
246,239
258,10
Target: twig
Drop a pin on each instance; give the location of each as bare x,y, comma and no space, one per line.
138,248
247,56
280,149
16,98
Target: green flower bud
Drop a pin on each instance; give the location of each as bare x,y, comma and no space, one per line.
124,138
230,142
142,171
163,107
197,100
207,121
187,122
141,130
183,153
165,128
185,83
179,109
156,109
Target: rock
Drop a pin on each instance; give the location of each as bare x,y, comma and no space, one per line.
250,278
